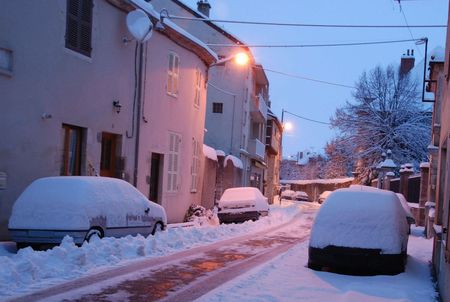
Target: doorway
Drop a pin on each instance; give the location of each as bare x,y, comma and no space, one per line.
155,177
108,159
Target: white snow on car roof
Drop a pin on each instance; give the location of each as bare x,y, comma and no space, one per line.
361,217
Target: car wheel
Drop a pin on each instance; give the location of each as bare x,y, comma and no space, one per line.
93,232
158,228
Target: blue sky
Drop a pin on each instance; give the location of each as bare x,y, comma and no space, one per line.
337,64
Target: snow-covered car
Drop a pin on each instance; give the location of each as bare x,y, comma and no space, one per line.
301,196
242,204
288,194
81,207
324,196
360,230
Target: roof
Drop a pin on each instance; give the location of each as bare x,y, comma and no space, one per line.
171,30
208,21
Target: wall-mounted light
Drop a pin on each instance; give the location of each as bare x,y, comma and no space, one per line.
117,106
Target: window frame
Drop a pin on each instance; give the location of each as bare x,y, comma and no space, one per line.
173,160
80,24
195,165
217,107
67,157
173,74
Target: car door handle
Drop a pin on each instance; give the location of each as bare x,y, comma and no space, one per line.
147,210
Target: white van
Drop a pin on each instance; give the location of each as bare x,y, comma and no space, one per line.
81,207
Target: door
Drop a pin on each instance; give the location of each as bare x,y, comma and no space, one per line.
108,160
155,177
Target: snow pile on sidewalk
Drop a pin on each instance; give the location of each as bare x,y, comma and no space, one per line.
287,278
31,270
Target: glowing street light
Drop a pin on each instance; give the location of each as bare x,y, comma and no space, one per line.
288,126
241,59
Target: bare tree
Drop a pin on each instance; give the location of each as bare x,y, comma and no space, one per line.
339,159
386,113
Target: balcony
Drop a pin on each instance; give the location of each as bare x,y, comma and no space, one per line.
256,148
258,109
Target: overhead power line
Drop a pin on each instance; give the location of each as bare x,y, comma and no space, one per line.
305,78
306,24
313,45
307,119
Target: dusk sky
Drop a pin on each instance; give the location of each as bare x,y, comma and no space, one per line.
341,65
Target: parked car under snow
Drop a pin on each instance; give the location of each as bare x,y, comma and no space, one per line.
360,230
81,207
242,204
301,196
288,194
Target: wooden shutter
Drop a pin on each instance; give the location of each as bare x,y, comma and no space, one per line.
79,26
195,165
173,162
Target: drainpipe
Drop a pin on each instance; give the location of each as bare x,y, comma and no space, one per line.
138,117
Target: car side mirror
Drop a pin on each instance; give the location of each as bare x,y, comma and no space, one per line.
147,210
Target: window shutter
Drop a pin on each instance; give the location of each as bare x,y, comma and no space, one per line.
173,162
79,26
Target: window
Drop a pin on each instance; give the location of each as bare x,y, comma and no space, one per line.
217,107
6,61
198,87
173,164
79,26
173,74
72,150
195,167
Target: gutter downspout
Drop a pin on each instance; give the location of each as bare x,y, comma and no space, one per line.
138,118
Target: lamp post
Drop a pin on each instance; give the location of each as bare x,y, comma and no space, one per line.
421,41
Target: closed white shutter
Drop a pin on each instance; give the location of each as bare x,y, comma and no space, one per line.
195,166
173,74
173,162
198,87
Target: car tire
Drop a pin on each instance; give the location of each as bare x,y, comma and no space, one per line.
158,227
93,232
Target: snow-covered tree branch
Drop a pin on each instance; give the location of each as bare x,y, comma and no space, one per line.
386,113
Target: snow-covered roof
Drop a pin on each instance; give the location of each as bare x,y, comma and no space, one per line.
148,8
318,181
437,54
236,161
387,163
209,152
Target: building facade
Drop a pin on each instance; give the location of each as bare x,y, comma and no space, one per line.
238,98
441,247
86,99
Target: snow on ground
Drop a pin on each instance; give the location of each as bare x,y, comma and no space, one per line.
30,270
286,278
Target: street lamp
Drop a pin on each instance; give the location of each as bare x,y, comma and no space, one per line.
240,58
421,41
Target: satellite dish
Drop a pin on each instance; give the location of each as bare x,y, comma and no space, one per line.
139,25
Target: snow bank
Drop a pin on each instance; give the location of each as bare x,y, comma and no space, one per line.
361,217
236,161
32,270
209,152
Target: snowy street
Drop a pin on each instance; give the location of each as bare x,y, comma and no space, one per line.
255,261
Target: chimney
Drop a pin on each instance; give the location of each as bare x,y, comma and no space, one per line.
203,6
407,62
